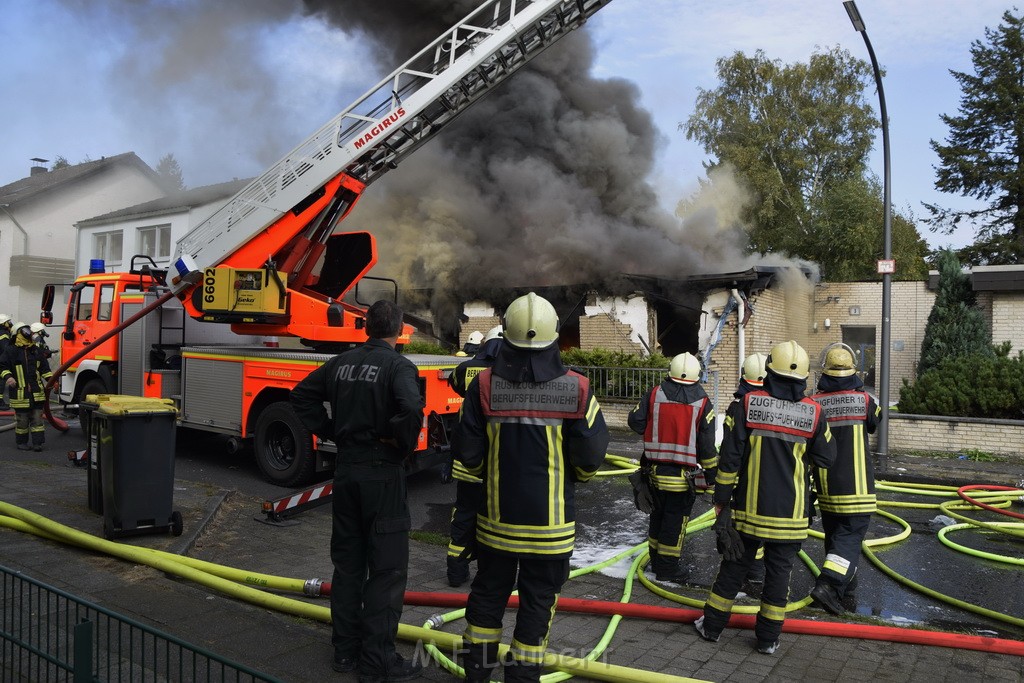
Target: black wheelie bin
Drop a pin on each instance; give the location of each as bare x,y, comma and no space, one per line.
135,444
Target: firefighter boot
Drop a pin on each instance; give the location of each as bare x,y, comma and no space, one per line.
670,570
521,672
479,660
827,597
458,571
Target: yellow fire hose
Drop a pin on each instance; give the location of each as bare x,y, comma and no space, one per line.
14,517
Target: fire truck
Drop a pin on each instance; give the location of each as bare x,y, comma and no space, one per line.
271,263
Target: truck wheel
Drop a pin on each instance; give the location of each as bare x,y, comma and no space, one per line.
284,447
93,386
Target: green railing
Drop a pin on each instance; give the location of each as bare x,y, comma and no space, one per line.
47,634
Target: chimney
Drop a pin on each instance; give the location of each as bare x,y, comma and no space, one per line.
38,167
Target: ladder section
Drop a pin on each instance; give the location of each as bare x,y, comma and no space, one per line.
394,118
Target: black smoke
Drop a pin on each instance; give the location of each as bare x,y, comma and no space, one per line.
543,182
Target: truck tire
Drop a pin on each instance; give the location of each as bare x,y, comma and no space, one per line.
284,447
96,385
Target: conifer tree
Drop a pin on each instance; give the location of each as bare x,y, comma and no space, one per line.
956,327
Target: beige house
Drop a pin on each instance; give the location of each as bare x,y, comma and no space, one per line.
38,215
725,317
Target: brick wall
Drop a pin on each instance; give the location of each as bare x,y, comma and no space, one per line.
911,303
1008,319
954,434
602,331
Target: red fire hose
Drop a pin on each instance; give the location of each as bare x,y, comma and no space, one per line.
981,487
894,634
56,421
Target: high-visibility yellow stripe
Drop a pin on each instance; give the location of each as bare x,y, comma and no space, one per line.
799,481
592,411
479,634
718,602
494,494
753,472
773,612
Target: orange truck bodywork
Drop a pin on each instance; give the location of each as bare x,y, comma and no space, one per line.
222,382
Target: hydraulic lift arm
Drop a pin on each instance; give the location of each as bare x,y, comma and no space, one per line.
282,224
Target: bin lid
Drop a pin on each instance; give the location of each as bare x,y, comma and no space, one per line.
113,398
139,405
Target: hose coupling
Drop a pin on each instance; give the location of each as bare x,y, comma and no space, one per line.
312,587
435,622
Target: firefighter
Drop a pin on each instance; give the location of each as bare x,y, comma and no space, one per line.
5,339
40,335
469,490
846,491
24,372
773,437
472,344
531,429
5,331
377,412
752,379
677,421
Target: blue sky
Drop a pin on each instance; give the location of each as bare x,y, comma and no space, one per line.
249,80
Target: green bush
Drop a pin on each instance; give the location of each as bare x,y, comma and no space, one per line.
975,385
603,358
428,348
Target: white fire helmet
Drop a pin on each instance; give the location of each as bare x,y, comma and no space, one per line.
531,323
492,333
475,337
789,359
685,369
753,368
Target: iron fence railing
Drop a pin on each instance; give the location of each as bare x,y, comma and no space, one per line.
630,384
47,634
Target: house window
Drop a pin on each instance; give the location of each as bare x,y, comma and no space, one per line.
155,242
109,246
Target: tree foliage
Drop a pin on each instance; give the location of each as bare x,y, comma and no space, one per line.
170,173
798,136
983,155
956,327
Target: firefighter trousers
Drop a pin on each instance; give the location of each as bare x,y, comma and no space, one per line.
370,552
29,421
667,529
539,582
843,537
779,557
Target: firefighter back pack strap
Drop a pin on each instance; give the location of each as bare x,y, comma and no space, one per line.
561,398
843,408
787,420
671,432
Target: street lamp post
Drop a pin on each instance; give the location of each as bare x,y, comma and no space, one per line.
883,373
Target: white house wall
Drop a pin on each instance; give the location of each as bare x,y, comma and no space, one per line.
50,221
631,311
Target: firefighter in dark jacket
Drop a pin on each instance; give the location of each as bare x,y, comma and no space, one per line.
677,421
5,331
752,379
5,340
469,489
531,429
24,372
376,415
773,438
846,491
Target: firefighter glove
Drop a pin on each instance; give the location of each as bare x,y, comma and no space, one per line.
643,494
727,539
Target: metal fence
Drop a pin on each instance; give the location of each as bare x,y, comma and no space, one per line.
47,634
630,384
